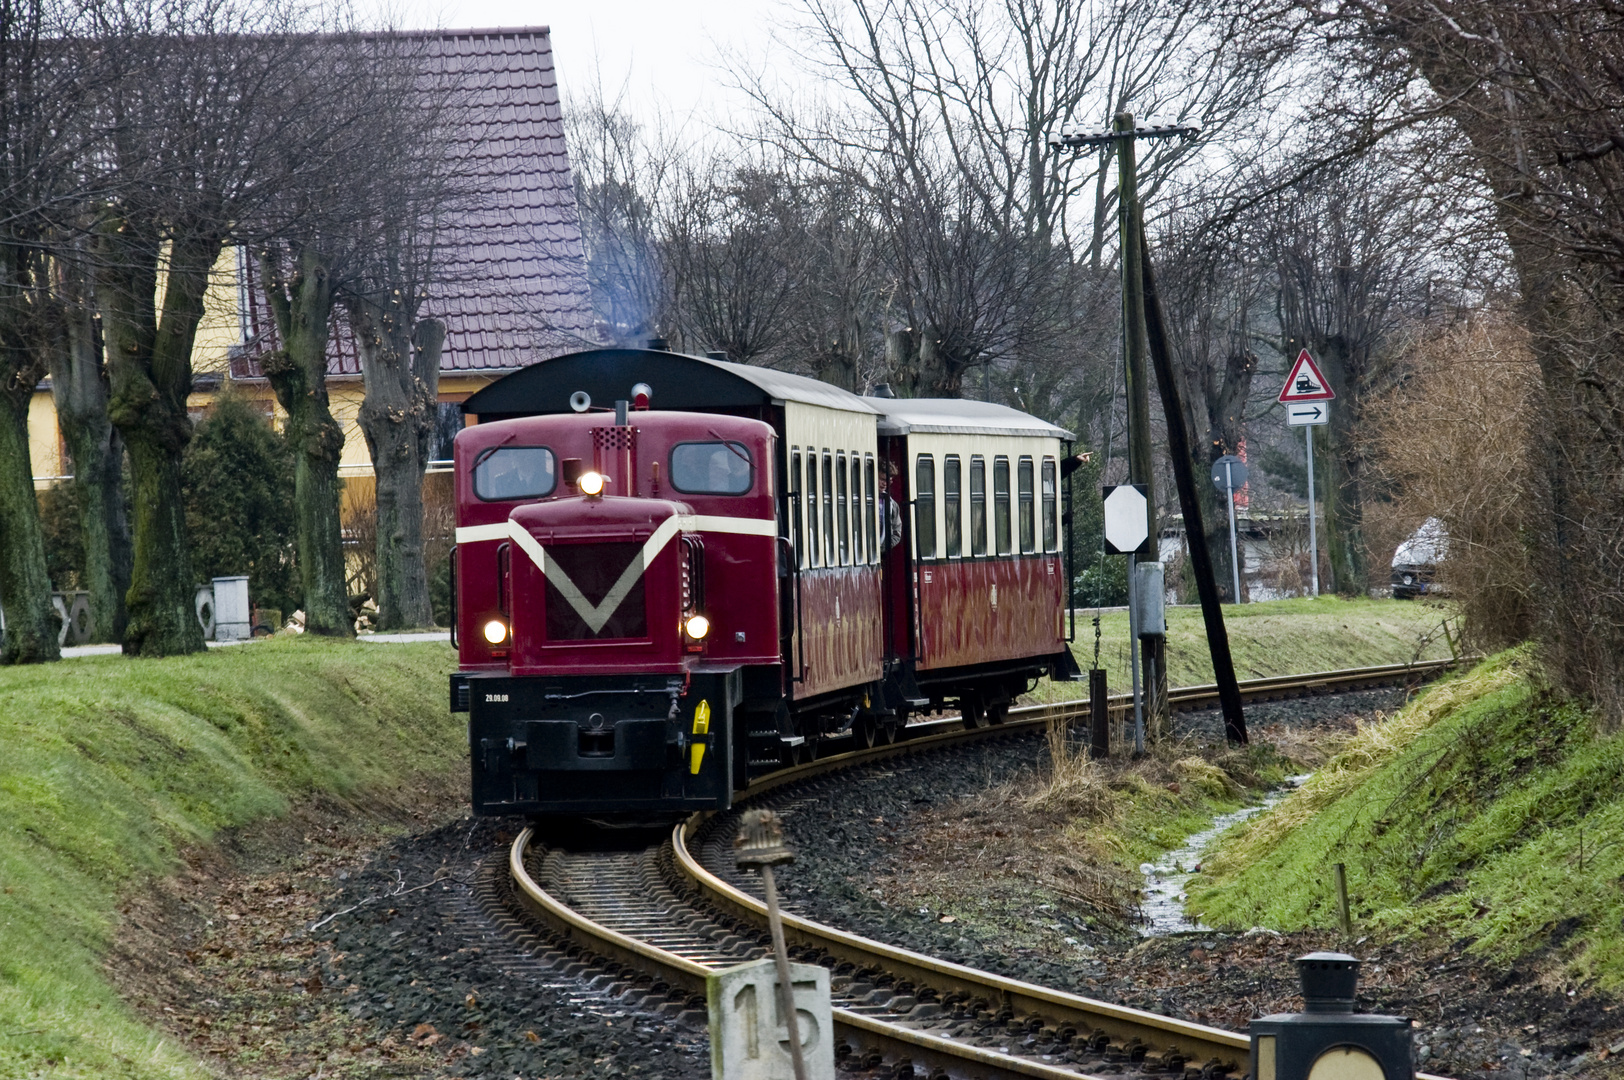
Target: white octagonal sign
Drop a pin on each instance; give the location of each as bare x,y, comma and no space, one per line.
1127,529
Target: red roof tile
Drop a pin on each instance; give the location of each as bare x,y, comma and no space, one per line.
511,283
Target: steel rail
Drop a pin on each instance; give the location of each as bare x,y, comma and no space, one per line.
1195,1041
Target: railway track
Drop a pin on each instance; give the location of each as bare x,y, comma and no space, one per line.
666,914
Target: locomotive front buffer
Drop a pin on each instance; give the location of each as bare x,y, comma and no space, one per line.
585,744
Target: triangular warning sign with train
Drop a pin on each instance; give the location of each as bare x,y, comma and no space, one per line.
1306,382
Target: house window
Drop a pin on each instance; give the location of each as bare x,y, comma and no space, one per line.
925,506
1000,502
1051,510
1027,507
950,507
978,505
447,422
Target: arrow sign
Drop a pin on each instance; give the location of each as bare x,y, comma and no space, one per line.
1314,412
1305,383
1127,521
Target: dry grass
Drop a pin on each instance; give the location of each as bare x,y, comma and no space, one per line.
1453,441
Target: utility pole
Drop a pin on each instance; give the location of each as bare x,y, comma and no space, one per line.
1123,136
1179,443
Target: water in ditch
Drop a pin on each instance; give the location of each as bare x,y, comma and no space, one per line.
1161,902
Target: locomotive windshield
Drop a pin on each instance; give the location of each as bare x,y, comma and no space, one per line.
711,468
515,472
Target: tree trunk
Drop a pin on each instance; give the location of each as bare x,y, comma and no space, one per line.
1338,481
149,366
25,585
298,373
397,417
79,388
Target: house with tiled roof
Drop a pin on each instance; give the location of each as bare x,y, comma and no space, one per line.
510,282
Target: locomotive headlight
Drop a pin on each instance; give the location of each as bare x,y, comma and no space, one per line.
590,483
696,627
496,631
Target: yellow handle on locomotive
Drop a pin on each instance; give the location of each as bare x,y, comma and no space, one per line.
696,752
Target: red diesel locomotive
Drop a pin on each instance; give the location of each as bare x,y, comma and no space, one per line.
655,603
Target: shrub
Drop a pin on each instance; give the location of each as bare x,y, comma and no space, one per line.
238,476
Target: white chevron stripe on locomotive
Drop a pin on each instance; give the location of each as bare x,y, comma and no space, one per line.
596,615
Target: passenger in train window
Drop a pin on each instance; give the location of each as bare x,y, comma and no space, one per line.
892,513
1051,517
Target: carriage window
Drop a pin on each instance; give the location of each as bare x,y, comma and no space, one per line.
515,472
978,505
1000,502
831,553
1028,511
842,510
813,548
925,506
868,510
856,509
797,507
950,506
711,468
1051,517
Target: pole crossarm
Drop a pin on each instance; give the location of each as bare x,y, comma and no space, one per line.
1077,140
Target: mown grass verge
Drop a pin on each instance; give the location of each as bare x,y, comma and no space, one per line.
110,766
1276,637
1489,810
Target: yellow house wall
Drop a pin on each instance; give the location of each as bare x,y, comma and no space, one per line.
220,330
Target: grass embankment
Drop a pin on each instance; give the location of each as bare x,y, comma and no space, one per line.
1278,637
110,766
1488,810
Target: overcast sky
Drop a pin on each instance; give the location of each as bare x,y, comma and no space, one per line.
665,52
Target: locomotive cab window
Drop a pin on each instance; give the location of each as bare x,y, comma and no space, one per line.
925,506
978,505
1028,509
1051,517
1000,502
711,468
950,506
515,472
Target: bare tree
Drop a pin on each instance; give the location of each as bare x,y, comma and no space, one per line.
79,389
44,102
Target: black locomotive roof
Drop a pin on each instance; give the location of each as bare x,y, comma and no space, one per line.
679,381
957,416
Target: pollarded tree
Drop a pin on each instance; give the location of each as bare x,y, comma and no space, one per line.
45,100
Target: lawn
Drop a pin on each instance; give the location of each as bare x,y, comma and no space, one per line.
111,765
1276,637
